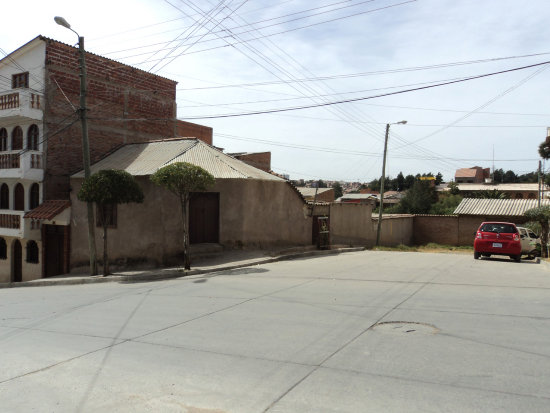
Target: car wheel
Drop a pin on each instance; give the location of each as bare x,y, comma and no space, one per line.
516,258
476,255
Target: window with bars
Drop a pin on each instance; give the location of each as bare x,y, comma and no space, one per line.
3,249
32,252
19,80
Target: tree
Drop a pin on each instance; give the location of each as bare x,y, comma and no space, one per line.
446,205
540,215
418,199
107,189
338,191
453,188
409,181
544,149
438,178
400,181
182,178
491,194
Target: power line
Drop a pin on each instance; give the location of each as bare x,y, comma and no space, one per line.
365,97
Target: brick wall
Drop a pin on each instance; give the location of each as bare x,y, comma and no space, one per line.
193,130
452,229
260,160
119,97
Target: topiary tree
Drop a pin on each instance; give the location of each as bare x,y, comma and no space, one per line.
108,188
182,178
541,215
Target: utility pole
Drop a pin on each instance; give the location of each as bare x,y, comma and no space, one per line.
85,143
382,180
540,184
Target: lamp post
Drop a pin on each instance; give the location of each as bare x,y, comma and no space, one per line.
85,144
382,180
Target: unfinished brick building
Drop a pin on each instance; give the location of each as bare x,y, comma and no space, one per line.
41,142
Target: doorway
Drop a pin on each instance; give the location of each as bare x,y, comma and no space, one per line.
204,217
54,243
17,261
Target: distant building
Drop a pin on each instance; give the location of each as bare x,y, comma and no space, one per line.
473,175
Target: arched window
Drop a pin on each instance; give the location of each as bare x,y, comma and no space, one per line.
3,139
532,195
32,138
17,138
4,197
3,249
19,198
34,196
519,195
32,252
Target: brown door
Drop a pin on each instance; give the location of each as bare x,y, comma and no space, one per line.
204,211
54,253
17,261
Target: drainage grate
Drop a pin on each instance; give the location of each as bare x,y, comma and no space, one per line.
405,327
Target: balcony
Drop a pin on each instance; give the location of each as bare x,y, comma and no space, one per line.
20,105
12,224
27,165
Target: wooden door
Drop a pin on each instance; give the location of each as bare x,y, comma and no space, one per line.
54,249
204,221
17,261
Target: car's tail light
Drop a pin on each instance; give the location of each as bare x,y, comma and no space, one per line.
478,235
516,237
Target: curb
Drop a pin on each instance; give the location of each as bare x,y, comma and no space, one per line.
172,274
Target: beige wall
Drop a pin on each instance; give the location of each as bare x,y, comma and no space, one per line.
351,224
396,230
252,213
30,271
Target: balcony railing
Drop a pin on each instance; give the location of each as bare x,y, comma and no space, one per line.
9,160
22,103
14,160
10,221
9,101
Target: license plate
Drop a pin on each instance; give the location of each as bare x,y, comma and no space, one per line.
497,245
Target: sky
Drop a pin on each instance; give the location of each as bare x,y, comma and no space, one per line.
244,67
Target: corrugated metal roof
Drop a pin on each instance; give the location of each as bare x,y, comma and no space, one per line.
496,207
142,159
490,187
310,192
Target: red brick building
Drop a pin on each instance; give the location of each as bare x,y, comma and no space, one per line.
41,142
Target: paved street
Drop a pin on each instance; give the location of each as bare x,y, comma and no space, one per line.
357,332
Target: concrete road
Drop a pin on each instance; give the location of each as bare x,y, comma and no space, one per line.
357,332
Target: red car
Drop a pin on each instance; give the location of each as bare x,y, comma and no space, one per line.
497,238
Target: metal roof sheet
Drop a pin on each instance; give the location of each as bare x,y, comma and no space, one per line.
496,207
490,187
142,159
310,192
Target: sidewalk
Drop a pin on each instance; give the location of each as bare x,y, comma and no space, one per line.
228,260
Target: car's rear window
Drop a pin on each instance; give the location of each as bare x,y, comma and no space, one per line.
500,228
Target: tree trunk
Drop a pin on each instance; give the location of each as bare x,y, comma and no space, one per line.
105,259
184,199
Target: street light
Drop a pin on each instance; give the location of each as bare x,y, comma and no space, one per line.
85,144
383,179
